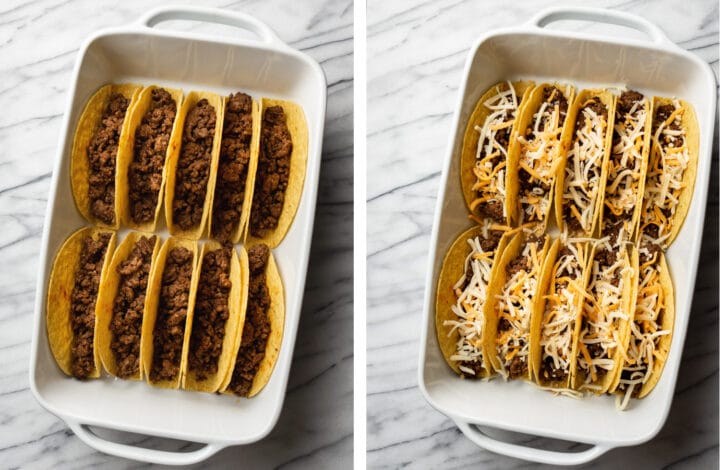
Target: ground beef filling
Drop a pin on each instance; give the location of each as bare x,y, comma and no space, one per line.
151,142
624,105
273,171
193,167
653,252
494,209
549,371
169,329
82,304
233,166
101,154
257,324
129,306
661,115
211,313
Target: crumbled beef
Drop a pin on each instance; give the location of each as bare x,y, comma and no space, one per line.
169,330
129,307
538,239
528,182
653,231
475,366
273,171
605,257
492,210
504,325
145,171
549,372
572,222
211,312
233,166
627,100
612,230
554,97
595,350
193,166
653,251
102,156
662,113
518,367
257,324
564,251
491,242
82,304
520,263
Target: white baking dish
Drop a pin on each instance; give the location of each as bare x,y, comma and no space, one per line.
655,66
262,66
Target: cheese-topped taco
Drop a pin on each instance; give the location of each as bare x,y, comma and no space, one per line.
535,158
587,140
486,144
462,299
671,171
625,171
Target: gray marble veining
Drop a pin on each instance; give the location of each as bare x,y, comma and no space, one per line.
417,51
39,41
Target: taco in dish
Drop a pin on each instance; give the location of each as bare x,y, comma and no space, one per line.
671,171
484,159
236,168
214,320
192,165
651,328
461,301
170,302
552,341
257,343
280,175
101,130
535,158
586,140
627,164
514,297
153,126
78,271
121,305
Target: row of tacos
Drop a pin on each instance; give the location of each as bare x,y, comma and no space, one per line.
569,314
176,314
229,168
597,159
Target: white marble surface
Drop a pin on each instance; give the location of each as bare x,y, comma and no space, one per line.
38,45
417,51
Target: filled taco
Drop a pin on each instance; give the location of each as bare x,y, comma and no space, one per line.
671,171
78,271
100,131
257,343
171,299
461,301
280,175
236,168
486,144
535,159
651,328
192,165
515,292
212,325
586,141
152,128
627,164
121,305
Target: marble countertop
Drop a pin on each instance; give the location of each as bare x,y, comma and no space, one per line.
417,53
39,41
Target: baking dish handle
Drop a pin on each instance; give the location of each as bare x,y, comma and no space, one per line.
142,454
211,15
476,435
600,15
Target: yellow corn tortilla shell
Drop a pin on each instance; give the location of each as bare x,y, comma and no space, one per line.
470,139
238,232
87,126
174,150
567,140
213,381
147,347
60,287
126,154
297,125
106,301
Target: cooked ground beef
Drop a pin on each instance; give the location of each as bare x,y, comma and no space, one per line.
527,182
518,367
539,240
597,106
102,155
654,251
520,263
129,307
627,100
491,210
572,222
652,230
211,312
554,97
169,329
233,166
595,350
82,304
661,115
491,242
476,366
564,251
273,171
193,166
257,324
504,325
151,142
549,372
